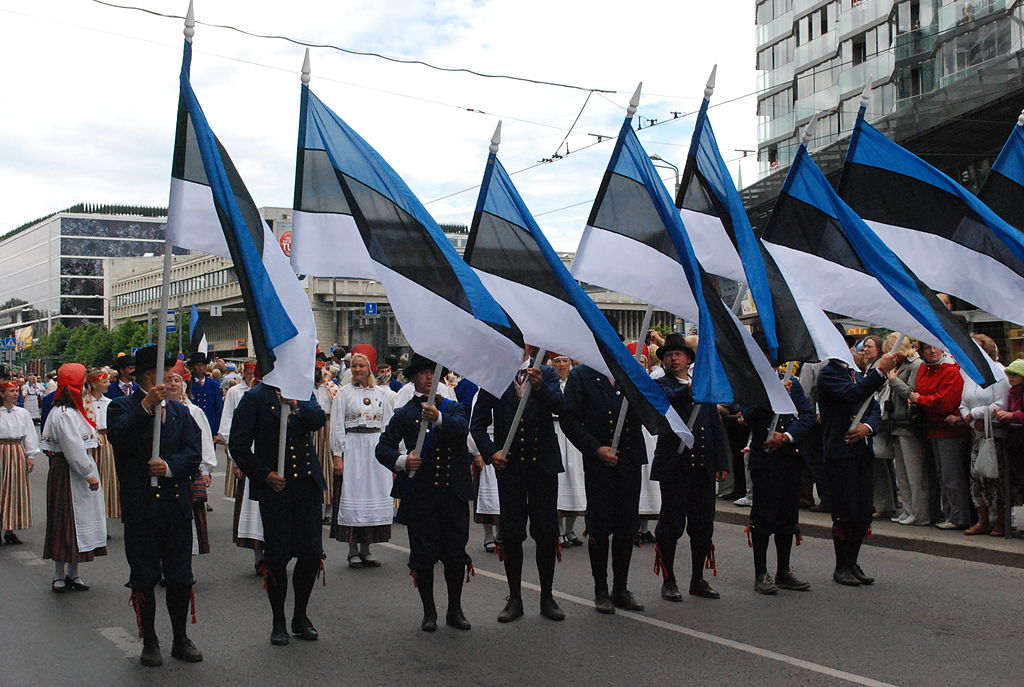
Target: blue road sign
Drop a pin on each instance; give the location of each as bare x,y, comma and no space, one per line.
369,308
8,343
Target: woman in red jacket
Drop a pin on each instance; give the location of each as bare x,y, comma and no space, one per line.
939,387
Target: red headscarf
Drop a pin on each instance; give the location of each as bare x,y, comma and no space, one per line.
71,376
631,347
180,370
9,384
370,352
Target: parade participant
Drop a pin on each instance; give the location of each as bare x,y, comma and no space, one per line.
572,495
688,479
650,494
96,403
76,529
19,448
849,457
360,411
527,477
157,519
174,379
434,489
324,390
612,479
776,468
291,505
247,526
32,393
387,375
204,392
124,383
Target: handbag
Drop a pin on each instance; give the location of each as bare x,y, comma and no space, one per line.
986,464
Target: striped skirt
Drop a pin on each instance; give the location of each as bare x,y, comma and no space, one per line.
201,529
104,457
230,481
15,495
61,542
322,442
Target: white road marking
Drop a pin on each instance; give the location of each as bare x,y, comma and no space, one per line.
27,558
696,634
125,641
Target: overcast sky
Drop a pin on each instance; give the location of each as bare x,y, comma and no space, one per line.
89,93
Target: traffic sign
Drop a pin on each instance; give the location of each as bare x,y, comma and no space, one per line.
172,325
8,343
369,308
216,310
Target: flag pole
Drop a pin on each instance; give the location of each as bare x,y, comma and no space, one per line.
282,437
165,301
644,326
421,437
790,366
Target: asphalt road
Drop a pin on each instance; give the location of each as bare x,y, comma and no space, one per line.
928,621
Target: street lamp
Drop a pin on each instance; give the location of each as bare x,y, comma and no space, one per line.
665,164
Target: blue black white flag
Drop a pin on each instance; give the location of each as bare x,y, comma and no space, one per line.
820,233
945,234
635,243
515,261
356,217
197,332
210,210
1003,190
794,325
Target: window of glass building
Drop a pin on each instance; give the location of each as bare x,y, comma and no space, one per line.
86,267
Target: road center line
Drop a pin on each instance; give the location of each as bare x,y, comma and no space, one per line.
125,641
696,634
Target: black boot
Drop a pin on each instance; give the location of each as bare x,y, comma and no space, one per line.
453,578
597,548
145,614
303,579
275,579
622,555
513,554
854,543
666,559
178,599
698,585
425,586
842,574
546,572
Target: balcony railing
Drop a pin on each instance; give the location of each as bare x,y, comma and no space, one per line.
864,13
877,67
963,13
775,77
916,42
775,29
824,45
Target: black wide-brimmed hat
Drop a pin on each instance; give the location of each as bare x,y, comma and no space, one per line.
122,361
675,342
198,358
145,359
417,364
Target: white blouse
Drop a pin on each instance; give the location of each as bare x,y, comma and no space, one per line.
16,423
209,459
358,406
99,410
67,432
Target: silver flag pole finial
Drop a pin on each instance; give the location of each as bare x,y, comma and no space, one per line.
305,69
495,139
635,100
190,22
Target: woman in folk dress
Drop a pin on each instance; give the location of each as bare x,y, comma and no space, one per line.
96,408
19,447
325,390
365,508
76,523
572,495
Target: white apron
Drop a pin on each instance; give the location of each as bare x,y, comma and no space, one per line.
366,487
250,524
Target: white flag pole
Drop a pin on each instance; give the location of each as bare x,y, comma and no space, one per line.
165,301
282,436
620,423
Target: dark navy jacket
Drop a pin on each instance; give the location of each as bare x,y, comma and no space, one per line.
798,426
839,399
209,399
535,439
710,448
446,460
255,429
115,391
590,413
130,430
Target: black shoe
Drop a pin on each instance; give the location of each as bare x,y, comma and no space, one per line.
429,623
455,618
571,538
549,609
185,650
151,655
513,610
58,586
844,576
301,627
670,592
327,521
279,635
12,538
647,537
702,589
787,580
603,603
369,560
857,572
76,585
625,600
763,584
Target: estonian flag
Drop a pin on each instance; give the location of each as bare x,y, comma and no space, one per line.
635,243
795,328
210,210
945,234
811,221
197,332
1003,190
516,262
355,217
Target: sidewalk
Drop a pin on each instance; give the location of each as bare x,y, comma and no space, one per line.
930,540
